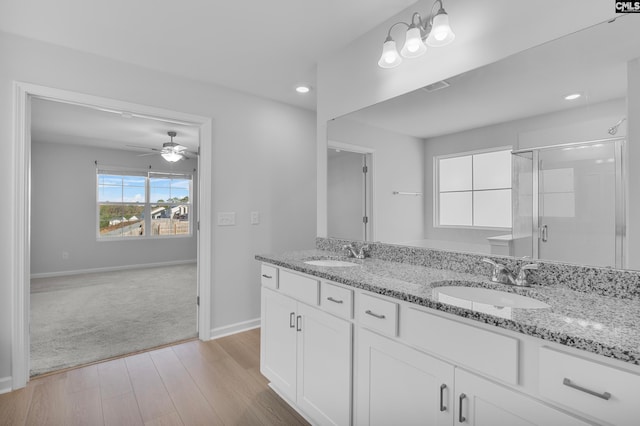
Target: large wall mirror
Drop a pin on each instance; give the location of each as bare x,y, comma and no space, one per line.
501,159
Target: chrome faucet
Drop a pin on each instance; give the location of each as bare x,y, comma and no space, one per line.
501,274
361,254
521,279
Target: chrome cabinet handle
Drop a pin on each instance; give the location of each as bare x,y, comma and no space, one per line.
442,388
461,418
298,323
267,276
373,314
291,320
331,299
603,395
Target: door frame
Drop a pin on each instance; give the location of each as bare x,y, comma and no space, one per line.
370,204
20,213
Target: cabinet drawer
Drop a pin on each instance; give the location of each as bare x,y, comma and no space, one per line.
337,300
487,352
598,390
269,276
378,314
299,287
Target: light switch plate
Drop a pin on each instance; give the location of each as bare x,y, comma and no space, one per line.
255,218
226,218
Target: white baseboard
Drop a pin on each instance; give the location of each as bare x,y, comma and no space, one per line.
111,269
238,327
6,384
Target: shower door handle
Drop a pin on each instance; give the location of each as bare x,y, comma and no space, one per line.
544,233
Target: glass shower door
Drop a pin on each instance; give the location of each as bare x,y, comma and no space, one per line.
577,204
522,195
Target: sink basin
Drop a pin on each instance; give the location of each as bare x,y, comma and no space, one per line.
485,300
491,297
330,262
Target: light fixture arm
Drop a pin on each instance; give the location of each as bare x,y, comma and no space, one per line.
391,29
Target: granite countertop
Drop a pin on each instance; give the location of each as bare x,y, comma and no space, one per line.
603,325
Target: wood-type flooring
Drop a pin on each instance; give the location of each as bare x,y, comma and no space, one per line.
192,383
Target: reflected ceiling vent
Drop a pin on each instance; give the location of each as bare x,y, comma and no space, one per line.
436,86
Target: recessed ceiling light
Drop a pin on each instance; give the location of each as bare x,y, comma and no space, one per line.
572,96
303,88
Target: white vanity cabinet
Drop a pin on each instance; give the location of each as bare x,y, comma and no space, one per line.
413,366
398,385
306,353
481,402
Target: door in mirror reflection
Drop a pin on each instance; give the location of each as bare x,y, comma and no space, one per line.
348,195
576,191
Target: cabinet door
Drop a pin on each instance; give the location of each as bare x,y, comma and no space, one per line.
480,402
398,385
278,342
324,366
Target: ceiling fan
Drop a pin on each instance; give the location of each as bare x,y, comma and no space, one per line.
170,151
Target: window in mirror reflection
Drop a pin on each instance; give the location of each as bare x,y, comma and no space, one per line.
474,189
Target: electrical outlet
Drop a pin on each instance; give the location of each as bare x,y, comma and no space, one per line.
226,218
65,255
255,218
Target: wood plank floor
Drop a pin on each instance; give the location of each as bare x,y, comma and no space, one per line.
193,383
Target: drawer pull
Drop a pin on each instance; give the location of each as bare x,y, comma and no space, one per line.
331,299
373,314
292,320
461,418
267,276
603,395
442,388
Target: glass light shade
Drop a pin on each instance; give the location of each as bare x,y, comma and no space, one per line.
441,33
413,45
171,156
390,57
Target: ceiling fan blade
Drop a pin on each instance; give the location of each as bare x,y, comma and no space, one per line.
147,154
144,147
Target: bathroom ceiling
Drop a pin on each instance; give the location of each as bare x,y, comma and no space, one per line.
256,46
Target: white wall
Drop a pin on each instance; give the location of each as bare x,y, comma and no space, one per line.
63,212
397,166
263,160
543,130
350,79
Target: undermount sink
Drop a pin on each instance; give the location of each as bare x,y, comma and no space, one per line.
491,297
485,300
330,262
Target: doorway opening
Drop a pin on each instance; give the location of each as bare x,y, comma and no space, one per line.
22,232
350,203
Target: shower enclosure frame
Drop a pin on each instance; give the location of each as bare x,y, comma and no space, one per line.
620,192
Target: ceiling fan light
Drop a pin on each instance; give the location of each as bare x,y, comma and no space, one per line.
171,156
413,44
390,57
441,33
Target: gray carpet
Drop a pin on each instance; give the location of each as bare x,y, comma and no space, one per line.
84,318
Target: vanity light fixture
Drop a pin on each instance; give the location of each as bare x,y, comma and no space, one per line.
433,31
572,96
